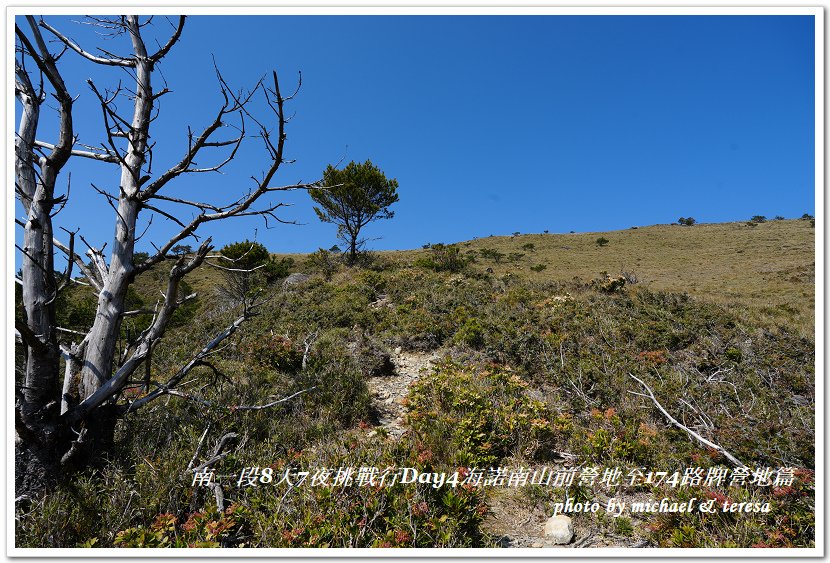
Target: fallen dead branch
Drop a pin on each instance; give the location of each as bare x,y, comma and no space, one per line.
735,461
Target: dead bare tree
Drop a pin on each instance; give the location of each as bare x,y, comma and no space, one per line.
59,424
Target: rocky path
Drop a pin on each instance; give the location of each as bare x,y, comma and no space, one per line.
388,391
518,521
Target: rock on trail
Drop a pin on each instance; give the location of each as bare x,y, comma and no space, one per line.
388,391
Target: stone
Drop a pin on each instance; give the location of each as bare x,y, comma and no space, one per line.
559,529
295,279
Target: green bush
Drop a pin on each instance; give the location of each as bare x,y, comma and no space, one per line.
443,258
273,351
200,529
471,334
247,255
492,254
477,417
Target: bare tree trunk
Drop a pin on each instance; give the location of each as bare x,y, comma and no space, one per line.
42,358
58,426
37,403
98,361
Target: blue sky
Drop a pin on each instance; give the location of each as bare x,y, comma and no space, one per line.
491,125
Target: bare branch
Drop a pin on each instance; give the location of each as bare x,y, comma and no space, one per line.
69,331
75,448
241,209
198,447
239,270
29,337
46,64
115,61
307,343
184,165
273,403
172,41
164,214
153,333
104,157
199,357
735,461
198,204
70,254
97,257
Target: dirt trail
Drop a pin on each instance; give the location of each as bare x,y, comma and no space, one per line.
515,519
388,391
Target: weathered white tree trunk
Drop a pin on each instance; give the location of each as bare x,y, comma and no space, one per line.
100,353
61,424
37,408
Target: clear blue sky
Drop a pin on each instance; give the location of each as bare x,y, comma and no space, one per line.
490,124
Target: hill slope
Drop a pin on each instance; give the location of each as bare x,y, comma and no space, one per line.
524,369
767,270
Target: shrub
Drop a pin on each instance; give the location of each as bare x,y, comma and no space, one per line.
492,254
538,267
758,219
273,351
686,221
602,241
324,261
478,417
200,529
245,255
278,269
515,256
610,284
471,333
443,258
398,515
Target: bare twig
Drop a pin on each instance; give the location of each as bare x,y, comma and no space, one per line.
198,448
272,404
735,461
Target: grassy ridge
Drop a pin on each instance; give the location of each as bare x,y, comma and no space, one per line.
766,272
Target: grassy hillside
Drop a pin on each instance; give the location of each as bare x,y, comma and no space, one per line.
767,271
537,368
